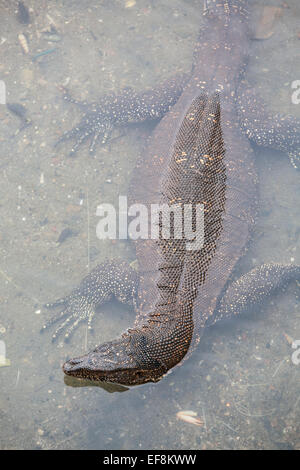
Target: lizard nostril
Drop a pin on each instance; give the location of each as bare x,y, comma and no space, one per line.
69,365
75,361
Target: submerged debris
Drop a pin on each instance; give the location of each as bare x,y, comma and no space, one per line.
51,36
51,22
130,3
288,338
66,233
23,15
190,417
23,43
264,28
41,54
19,110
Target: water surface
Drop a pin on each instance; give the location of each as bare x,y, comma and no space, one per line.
241,380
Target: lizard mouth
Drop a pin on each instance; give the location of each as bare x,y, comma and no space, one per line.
77,368
105,364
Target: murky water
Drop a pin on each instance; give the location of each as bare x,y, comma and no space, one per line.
241,381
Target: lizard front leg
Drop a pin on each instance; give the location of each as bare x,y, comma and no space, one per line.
125,108
107,280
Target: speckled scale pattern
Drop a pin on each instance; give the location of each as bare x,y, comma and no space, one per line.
199,153
124,108
226,7
253,288
266,129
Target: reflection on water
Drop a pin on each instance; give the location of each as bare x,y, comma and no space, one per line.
108,387
241,381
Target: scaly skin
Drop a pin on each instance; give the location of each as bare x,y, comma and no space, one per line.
198,153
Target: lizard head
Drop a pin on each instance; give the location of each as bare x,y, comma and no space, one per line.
121,361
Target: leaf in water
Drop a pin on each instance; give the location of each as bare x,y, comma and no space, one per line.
190,417
267,20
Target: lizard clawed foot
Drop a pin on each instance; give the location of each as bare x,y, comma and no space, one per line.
77,309
95,125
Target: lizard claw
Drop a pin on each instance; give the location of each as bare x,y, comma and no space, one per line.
295,159
77,309
95,125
